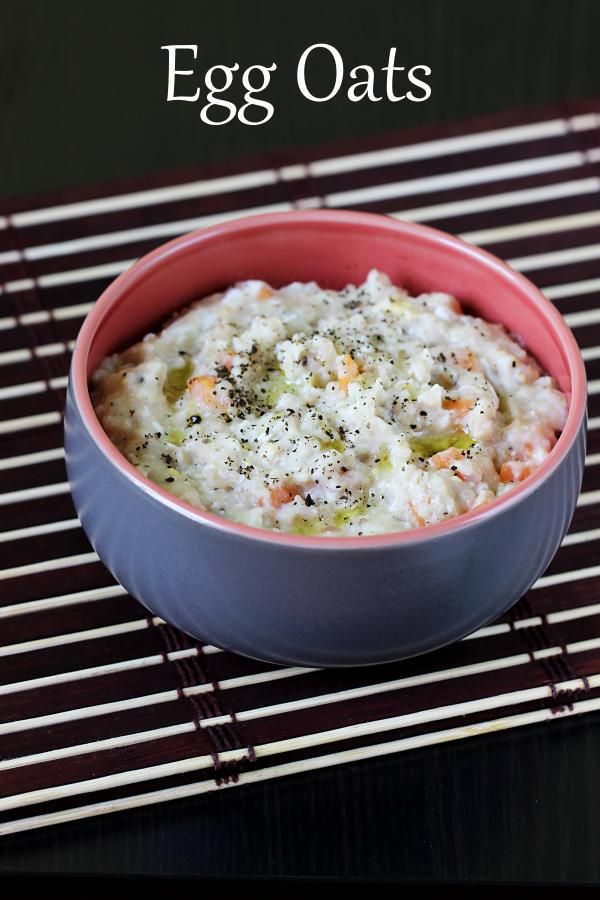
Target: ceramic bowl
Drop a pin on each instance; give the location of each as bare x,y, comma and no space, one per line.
307,600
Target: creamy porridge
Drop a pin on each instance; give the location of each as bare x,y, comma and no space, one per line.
320,412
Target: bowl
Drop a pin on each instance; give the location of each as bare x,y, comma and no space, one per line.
306,600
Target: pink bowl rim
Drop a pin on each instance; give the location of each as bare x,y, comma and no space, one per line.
134,276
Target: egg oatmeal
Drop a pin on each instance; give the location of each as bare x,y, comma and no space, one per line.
324,412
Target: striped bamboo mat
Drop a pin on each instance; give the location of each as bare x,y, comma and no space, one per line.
103,708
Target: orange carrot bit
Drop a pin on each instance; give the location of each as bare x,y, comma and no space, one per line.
455,306
510,472
283,493
416,516
264,293
348,370
202,388
526,471
445,459
461,406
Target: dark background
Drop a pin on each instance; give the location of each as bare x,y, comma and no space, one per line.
83,84
82,99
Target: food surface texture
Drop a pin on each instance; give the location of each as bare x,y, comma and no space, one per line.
321,412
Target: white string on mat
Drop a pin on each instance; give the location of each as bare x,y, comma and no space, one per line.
519,230
465,178
547,581
556,258
34,493
496,137
278,709
24,354
589,498
582,537
131,235
28,388
493,201
21,534
112,269
126,740
58,314
72,599
89,634
300,742
331,166
428,183
117,267
73,276
309,702
572,289
101,709
25,422
262,677
205,187
502,200
49,565
582,318
300,766
553,292
125,665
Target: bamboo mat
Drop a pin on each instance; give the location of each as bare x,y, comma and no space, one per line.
103,708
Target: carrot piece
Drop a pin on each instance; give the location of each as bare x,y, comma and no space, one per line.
510,472
455,306
347,371
416,516
462,405
445,459
283,493
264,293
202,388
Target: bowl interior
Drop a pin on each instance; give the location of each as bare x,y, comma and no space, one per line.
332,249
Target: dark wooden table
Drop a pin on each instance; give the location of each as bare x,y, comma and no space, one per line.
82,92
521,806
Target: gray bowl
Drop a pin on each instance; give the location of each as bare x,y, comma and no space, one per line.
317,601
